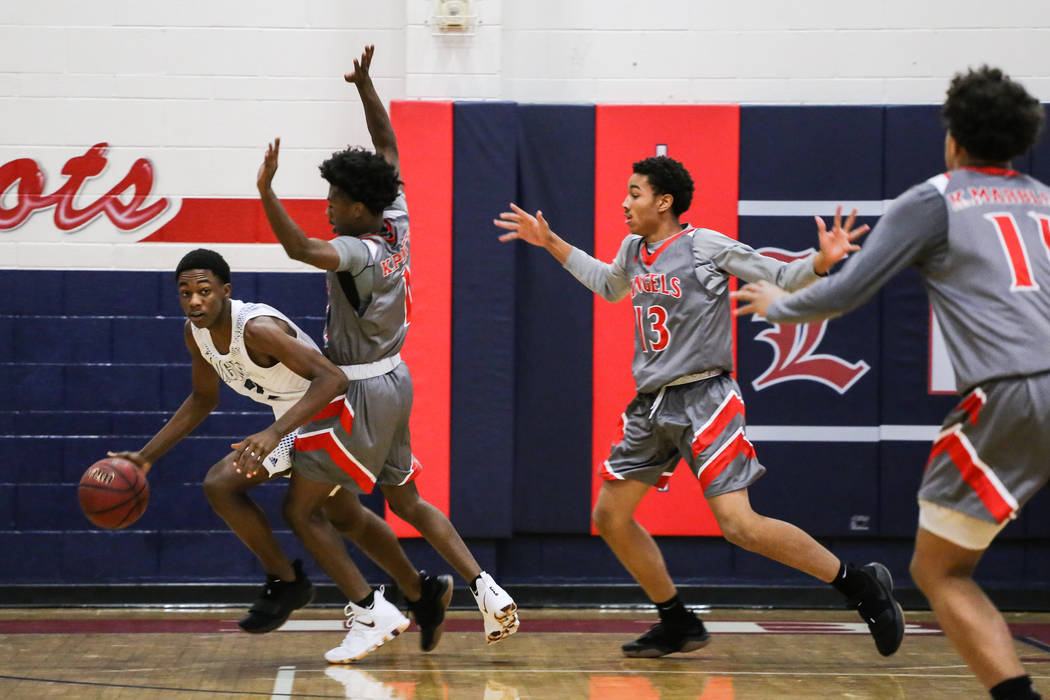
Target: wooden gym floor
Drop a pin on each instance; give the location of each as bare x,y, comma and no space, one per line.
119,654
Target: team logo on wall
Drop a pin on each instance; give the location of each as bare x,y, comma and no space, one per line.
103,197
794,350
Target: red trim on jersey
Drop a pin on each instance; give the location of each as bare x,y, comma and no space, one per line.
951,443
724,457
326,441
988,170
332,409
972,404
649,258
608,474
338,407
731,407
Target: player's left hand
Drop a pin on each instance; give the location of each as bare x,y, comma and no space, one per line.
836,243
756,298
251,450
264,179
359,74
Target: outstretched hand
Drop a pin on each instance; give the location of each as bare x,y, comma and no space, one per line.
359,74
268,169
524,226
758,296
836,243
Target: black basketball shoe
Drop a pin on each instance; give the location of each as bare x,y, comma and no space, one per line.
277,601
664,638
429,610
880,610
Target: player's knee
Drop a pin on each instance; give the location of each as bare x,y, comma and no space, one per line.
736,532
607,520
217,484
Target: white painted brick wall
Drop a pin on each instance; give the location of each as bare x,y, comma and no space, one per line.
200,86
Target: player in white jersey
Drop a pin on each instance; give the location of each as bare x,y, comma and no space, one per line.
688,407
980,237
365,440
260,353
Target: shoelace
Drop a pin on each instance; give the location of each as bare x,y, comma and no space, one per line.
348,611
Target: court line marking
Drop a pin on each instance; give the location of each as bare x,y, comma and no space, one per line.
282,684
703,672
209,691
1034,642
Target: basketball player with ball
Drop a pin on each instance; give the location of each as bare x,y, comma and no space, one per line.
260,353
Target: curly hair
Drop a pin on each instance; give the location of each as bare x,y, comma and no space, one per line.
668,176
991,116
363,176
204,259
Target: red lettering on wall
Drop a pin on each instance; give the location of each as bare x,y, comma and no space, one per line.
30,197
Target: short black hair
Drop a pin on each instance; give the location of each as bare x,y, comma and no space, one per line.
668,176
204,259
363,176
991,116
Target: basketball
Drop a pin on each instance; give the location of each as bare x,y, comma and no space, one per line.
113,493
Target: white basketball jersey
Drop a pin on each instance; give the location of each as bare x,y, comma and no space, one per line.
277,386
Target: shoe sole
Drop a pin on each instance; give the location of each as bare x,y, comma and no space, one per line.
653,653
446,600
885,579
386,638
277,622
509,623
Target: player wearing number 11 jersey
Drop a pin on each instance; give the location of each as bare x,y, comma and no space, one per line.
687,406
979,235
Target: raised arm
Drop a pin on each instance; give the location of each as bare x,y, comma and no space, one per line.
376,117
266,337
198,405
312,251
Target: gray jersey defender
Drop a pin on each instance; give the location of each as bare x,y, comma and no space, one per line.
362,439
980,237
687,406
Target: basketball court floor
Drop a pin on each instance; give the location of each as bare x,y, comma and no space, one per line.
178,653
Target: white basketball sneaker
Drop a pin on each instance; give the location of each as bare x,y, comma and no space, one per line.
498,609
369,628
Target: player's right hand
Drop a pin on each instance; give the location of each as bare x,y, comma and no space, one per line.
523,225
135,457
264,179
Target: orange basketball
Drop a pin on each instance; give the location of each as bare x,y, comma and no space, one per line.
113,493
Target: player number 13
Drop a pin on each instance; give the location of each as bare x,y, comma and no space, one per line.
652,327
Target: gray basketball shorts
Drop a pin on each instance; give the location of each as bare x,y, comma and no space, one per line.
701,423
361,439
993,451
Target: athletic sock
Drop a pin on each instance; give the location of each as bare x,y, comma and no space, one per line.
850,582
367,601
1019,688
673,612
474,584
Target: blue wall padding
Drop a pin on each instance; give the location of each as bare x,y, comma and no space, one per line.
554,321
483,328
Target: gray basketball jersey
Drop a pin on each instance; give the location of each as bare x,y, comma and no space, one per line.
680,293
278,387
981,240
376,326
